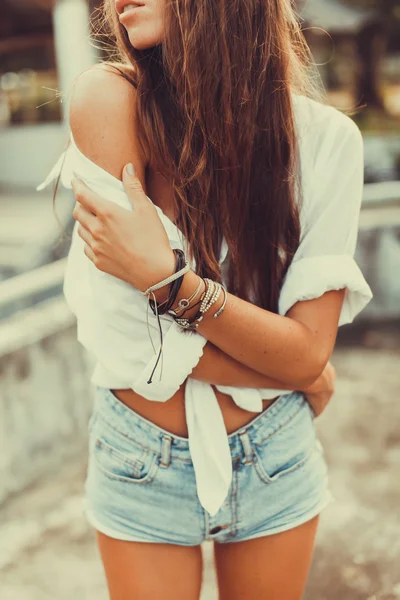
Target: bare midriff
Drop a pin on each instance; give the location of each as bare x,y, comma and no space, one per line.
170,415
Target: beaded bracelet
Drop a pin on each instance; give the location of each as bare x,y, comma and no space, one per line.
222,307
184,303
210,296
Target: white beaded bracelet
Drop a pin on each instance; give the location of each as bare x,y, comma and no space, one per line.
210,296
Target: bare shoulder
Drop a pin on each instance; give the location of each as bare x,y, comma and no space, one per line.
103,119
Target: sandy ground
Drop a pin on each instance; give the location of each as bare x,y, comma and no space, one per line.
47,550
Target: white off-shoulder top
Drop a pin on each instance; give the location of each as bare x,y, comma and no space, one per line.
111,314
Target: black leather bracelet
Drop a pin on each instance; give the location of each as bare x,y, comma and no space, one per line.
163,307
175,286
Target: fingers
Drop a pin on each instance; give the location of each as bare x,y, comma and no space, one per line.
90,209
132,185
85,235
91,246
85,217
331,369
317,406
318,402
91,201
88,238
90,254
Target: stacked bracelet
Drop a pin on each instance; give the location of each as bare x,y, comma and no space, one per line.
222,307
185,303
175,286
170,279
209,298
181,267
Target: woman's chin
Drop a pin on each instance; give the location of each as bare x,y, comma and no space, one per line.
140,42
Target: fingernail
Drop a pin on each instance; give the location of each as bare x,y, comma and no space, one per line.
130,169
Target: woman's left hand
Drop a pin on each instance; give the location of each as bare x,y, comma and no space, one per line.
130,245
319,394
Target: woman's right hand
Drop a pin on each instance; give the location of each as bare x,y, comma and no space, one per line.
321,391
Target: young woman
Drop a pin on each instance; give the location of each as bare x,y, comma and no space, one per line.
205,138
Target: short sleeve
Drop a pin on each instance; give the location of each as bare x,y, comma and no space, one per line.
324,260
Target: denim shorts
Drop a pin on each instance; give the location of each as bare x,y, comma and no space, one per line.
141,486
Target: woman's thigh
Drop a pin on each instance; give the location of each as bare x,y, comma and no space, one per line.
150,571
273,567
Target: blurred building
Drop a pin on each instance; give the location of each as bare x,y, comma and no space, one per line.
335,31
357,50
44,44
335,17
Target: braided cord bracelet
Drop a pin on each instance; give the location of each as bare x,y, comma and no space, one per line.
209,298
175,286
175,277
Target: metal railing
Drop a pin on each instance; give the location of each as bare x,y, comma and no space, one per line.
33,283
380,208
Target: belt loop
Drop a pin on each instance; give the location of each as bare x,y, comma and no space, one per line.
247,447
165,451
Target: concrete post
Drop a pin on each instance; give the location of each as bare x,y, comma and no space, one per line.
74,52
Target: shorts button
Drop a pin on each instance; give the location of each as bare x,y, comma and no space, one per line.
215,530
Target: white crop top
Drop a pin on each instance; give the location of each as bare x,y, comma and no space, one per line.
111,314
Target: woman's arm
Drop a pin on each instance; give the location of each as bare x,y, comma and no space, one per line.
293,349
323,286
113,145
217,368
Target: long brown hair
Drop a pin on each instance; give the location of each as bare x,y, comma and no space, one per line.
216,108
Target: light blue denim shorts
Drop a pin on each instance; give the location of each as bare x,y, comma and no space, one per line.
141,485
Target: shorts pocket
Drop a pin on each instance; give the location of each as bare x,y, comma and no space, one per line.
288,448
120,458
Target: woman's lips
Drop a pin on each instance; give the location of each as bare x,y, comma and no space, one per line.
122,6
128,14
